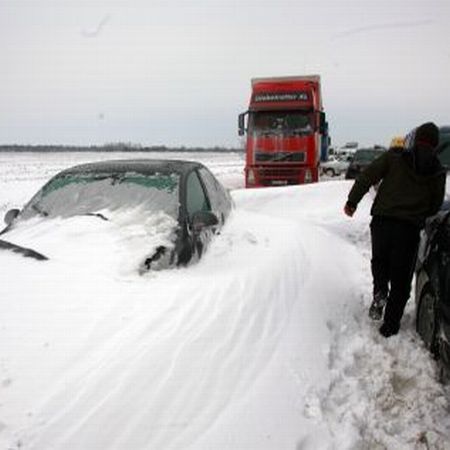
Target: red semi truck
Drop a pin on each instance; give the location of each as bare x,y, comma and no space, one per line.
286,131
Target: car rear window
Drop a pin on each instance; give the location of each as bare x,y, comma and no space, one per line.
367,155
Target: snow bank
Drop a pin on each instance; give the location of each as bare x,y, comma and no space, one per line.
265,344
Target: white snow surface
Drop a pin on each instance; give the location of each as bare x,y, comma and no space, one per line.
263,344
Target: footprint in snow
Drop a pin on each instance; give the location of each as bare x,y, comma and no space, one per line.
6,382
250,237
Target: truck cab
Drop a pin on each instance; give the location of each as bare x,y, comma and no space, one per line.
285,131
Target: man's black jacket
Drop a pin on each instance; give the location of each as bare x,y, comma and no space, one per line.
403,193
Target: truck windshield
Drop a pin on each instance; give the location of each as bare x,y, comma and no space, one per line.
280,122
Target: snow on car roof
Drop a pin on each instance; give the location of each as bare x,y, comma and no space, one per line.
144,166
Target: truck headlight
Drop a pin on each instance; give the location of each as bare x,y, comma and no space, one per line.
250,177
308,176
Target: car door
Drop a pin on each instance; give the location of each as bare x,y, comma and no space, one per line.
196,200
219,197
444,275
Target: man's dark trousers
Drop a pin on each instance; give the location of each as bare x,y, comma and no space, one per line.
394,252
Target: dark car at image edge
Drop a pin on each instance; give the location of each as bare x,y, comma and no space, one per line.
433,276
433,290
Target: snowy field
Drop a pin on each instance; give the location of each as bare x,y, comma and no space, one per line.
264,344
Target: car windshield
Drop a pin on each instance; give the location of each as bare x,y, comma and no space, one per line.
71,194
284,122
366,156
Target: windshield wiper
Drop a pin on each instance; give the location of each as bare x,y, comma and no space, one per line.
100,215
271,132
40,211
27,252
300,131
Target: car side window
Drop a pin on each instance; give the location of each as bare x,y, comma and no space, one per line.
196,199
217,194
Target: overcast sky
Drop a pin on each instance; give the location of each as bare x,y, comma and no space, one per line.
177,72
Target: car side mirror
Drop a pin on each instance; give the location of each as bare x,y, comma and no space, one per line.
203,219
11,215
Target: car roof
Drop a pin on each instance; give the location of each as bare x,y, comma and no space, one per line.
143,166
370,149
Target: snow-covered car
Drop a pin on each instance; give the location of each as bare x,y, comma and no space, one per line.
433,289
335,166
167,211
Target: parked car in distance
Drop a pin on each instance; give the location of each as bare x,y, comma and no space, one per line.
433,290
190,203
361,159
443,149
335,166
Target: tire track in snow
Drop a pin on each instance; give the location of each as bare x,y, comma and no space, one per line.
383,393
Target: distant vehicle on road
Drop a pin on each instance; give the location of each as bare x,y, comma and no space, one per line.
335,166
433,290
347,150
188,201
361,159
444,146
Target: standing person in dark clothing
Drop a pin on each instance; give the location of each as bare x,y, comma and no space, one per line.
412,188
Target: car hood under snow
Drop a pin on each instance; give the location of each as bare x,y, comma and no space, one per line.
111,242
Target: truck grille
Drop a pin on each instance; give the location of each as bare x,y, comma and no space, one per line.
273,176
274,157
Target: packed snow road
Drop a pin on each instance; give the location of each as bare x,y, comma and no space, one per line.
265,344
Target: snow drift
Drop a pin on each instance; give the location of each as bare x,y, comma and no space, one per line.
264,344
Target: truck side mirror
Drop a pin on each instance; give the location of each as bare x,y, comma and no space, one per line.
323,124
241,124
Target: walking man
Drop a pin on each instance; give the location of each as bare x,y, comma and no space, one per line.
412,187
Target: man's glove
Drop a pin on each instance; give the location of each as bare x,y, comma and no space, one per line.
349,209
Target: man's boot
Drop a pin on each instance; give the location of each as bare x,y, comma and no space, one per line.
377,306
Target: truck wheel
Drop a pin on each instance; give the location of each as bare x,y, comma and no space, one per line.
426,320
